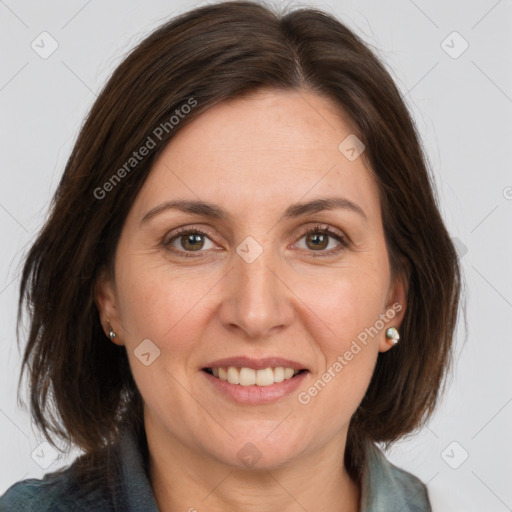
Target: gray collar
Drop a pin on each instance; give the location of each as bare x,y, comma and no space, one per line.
388,487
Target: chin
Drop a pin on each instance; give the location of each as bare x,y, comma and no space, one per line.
259,453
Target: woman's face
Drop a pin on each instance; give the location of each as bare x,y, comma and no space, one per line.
255,285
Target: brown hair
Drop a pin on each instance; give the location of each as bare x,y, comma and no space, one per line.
81,387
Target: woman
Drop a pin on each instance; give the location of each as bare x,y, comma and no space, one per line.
245,281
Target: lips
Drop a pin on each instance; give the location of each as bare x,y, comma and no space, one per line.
264,392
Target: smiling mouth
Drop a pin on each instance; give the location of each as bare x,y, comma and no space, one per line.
250,377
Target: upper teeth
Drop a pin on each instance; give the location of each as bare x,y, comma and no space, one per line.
250,377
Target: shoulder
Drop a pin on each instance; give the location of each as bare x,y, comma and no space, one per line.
388,487
55,492
33,494
112,478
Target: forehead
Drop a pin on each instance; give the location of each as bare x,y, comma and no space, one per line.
270,120
265,149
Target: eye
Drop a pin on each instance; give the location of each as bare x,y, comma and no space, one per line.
187,241
318,237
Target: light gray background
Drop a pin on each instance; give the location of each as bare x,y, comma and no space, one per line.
462,107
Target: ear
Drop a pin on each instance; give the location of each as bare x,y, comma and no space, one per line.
396,303
105,298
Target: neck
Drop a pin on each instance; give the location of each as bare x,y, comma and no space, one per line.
186,479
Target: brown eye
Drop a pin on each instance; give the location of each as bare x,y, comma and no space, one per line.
192,241
318,239
187,241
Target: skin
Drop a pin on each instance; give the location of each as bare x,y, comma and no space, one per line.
253,156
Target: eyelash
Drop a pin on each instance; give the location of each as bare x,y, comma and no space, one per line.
313,230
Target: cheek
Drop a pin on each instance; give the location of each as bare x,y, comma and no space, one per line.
350,307
155,302
156,306
349,352
347,305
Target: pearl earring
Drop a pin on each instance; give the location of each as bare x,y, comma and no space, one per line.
392,335
111,333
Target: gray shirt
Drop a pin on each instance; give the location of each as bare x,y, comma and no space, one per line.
385,487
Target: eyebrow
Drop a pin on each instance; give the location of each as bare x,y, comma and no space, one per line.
214,211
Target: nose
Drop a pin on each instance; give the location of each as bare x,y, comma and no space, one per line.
257,301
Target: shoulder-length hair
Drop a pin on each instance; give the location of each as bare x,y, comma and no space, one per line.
81,386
